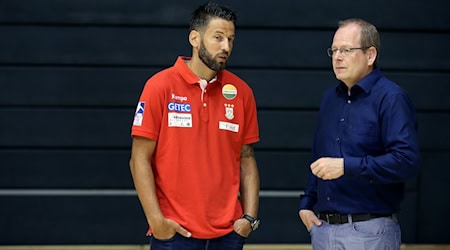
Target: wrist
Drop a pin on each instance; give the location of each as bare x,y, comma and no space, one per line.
254,222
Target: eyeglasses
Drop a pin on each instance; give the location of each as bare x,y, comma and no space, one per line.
343,51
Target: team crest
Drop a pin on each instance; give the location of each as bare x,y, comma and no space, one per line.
229,111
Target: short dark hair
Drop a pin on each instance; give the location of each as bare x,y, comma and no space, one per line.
204,13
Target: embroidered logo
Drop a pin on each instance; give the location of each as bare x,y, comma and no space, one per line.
179,98
229,91
229,112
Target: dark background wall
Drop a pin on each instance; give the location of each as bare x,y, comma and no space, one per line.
71,72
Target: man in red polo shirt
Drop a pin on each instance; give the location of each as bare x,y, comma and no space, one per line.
192,158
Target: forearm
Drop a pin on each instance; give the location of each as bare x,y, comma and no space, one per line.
249,188
143,178
145,187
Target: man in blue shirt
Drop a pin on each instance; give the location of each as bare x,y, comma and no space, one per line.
365,147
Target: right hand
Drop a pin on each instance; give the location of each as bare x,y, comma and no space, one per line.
167,228
309,219
242,227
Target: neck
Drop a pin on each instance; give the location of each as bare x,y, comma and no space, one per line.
200,69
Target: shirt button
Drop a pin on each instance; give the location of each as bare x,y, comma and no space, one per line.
328,198
342,119
338,139
349,101
204,104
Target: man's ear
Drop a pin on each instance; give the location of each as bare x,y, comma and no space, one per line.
194,38
372,54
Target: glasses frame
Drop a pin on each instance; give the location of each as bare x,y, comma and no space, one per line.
344,51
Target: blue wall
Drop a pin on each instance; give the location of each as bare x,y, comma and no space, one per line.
71,72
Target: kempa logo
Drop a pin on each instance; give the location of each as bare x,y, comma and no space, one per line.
179,98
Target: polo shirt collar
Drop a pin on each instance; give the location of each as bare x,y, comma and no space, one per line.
189,76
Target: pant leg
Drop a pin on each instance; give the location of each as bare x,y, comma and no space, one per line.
231,241
374,234
177,242
321,236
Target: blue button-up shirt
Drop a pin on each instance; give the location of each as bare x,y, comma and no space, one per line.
374,130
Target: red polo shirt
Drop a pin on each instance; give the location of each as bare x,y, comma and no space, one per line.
200,134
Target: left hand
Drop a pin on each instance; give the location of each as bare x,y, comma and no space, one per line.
242,227
327,168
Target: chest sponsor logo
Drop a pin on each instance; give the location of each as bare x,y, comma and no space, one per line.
139,114
180,120
229,126
179,107
229,91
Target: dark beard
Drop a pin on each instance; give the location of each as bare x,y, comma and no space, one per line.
208,59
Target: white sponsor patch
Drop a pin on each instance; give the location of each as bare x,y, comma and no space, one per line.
180,120
229,126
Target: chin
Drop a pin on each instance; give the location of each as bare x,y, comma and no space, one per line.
338,76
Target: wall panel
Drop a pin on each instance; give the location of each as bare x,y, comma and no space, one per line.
121,87
433,200
115,219
110,128
418,15
108,169
133,46
48,220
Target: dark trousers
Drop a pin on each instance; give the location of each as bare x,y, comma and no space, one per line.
231,241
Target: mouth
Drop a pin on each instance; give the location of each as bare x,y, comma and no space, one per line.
223,56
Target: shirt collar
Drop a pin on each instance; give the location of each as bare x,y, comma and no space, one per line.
364,84
189,76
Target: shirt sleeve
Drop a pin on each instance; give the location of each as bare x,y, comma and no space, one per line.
149,113
309,198
401,156
251,121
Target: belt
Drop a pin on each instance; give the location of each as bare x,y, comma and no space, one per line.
345,218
